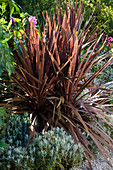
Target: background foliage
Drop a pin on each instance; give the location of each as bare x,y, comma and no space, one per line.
11,21
7,9
103,10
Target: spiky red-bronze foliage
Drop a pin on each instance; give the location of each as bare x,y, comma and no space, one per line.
53,81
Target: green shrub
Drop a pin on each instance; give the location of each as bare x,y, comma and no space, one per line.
56,149
107,73
107,128
17,130
4,117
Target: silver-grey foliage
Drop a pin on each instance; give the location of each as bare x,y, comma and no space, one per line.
56,149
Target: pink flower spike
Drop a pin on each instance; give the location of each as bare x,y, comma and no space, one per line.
34,20
13,20
11,17
111,39
109,44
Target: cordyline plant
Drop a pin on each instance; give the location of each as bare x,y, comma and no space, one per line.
52,79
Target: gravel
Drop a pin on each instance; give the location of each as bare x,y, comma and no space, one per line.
97,164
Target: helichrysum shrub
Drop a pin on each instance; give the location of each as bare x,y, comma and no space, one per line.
17,130
56,149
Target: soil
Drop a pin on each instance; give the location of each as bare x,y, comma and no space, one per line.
97,164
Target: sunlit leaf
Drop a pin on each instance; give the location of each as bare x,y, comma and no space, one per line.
3,144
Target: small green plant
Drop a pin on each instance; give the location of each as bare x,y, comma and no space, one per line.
107,128
16,133
56,149
106,75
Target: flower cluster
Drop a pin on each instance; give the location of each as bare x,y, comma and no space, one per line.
34,20
109,41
